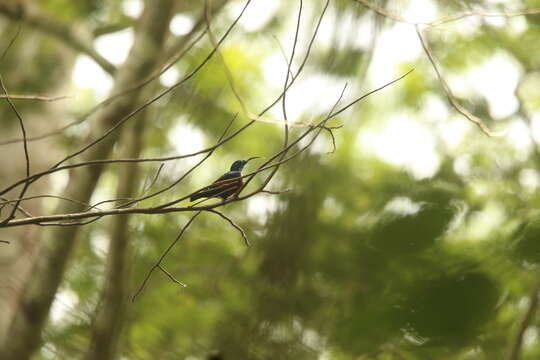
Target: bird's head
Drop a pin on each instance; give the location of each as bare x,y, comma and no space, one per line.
238,165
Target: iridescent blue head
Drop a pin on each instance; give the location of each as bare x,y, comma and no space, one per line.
238,165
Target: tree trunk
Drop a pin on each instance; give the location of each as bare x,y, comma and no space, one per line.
111,309
23,336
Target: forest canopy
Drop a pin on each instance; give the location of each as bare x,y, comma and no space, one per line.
378,169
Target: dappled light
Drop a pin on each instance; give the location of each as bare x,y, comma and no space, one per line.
254,179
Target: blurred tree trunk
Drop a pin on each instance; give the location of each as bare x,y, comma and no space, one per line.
28,53
23,336
111,309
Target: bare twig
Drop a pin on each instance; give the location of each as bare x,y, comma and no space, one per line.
449,94
44,196
299,71
383,12
304,61
158,263
4,242
233,224
147,188
20,208
95,206
25,146
71,223
289,64
170,276
273,192
368,94
283,100
33,97
282,51
23,130
228,73
160,95
11,42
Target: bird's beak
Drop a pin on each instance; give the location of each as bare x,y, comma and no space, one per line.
251,158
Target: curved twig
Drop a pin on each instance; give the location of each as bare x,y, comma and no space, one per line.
158,263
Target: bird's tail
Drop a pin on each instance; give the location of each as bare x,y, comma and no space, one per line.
195,196
200,194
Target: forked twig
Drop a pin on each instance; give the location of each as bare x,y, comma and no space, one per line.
448,91
158,263
25,146
233,224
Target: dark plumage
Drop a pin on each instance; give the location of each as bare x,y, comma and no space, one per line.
228,184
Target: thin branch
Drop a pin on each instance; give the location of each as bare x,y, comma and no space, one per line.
368,94
161,70
233,224
185,174
299,71
73,223
44,196
5,242
95,206
525,322
283,100
274,192
170,276
11,42
282,51
23,130
305,59
333,138
33,97
25,146
383,12
160,95
289,64
147,188
20,208
228,73
449,94
158,263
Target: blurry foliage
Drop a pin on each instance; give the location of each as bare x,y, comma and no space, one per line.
527,245
333,268
74,10
406,233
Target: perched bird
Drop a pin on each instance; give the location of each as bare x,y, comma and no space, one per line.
226,185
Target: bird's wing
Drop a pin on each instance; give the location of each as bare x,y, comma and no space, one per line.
221,186
227,176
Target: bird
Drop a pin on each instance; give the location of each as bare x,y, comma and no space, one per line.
227,184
